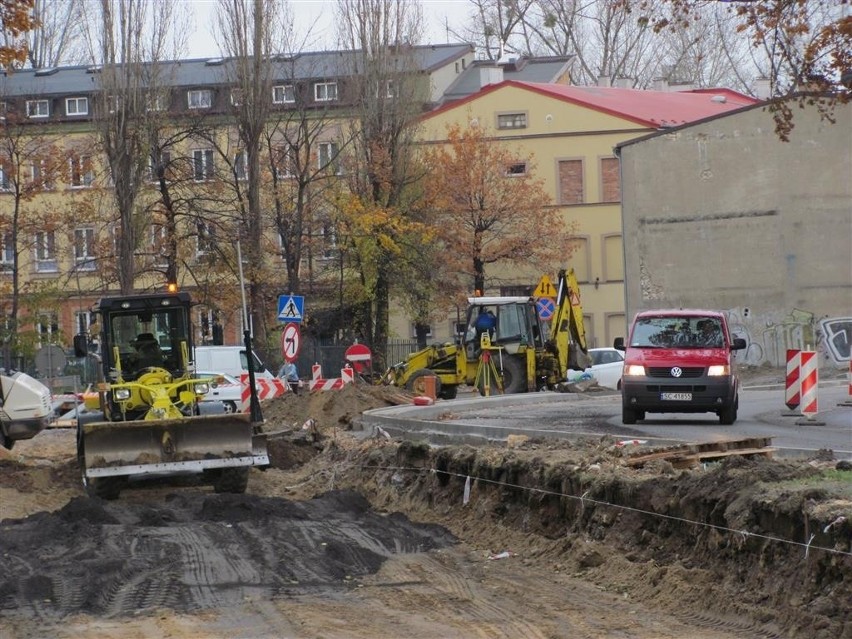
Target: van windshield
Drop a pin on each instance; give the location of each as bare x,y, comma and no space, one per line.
677,332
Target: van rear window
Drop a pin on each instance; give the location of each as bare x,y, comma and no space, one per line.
677,332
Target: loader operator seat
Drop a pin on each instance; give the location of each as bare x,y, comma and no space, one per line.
148,350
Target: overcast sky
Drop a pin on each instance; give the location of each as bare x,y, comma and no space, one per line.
202,44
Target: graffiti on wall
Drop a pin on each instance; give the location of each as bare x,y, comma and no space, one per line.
769,336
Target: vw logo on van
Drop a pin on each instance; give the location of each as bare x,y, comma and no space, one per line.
676,371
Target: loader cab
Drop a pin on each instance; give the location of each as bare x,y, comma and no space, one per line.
142,332
511,322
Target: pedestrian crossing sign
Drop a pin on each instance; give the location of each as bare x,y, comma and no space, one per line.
291,308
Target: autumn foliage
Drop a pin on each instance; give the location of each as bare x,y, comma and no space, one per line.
486,213
16,16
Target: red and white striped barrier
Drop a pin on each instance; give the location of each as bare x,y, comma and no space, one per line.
810,379
347,376
848,401
266,389
792,387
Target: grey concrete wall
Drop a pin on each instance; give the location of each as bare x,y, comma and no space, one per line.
724,215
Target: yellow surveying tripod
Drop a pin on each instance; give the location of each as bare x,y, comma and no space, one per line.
486,372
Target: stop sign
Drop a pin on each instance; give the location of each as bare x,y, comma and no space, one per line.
359,356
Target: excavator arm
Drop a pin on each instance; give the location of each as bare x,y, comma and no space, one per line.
567,330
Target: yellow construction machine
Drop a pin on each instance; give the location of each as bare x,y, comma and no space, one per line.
145,419
506,347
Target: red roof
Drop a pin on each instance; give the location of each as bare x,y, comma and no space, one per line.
652,108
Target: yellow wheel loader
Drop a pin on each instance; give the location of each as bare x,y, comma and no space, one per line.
145,419
527,352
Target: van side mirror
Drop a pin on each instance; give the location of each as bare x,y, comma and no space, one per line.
81,345
618,344
738,344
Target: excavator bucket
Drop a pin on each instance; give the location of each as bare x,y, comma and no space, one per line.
171,446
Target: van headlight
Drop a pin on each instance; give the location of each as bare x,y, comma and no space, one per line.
121,394
718,370
202,388
634,370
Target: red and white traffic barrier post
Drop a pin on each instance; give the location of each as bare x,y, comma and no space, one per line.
347,376
809,372
792,385
848,401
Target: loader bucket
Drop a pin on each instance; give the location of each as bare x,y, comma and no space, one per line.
171,446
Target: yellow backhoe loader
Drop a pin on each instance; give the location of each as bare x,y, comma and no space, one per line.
506,335
145,419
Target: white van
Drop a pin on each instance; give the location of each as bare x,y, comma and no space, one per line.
231,360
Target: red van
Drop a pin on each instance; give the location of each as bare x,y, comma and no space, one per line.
679,361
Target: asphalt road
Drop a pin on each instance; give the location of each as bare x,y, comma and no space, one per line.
762,413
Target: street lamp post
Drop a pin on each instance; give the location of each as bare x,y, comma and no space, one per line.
254,402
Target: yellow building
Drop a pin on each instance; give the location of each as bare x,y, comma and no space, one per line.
567,135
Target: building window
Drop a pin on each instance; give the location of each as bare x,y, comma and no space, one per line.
610,180
328,237
325,91
45,252
80,172
76,106
47,325
581,257
5,182
84,249
35,177
156,102
159,245
613,258
414,331
386,89
328,157
7,253
571,189
283,94
161,168
206,236
202,164
285,166
512,121
37,109
236,97
517,169
199,99
82,322
241,165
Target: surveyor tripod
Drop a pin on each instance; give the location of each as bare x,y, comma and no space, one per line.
486,372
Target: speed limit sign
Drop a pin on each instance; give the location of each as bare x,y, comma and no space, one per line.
290,342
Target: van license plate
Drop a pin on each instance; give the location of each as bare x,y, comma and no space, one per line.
676,397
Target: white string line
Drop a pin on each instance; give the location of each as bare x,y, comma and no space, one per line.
583,499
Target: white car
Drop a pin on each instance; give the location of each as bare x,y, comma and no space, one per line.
229,391
607,367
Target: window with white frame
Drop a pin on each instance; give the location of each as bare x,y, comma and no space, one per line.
47,326
45,251
202,164
83,321
516,169
4,109
84,249
37,109
328,234
414,331
81,174
156,102
159,244
5,182
512,121
285,165
155,166
325,91
236,97
390,89
327,157
34,175
76,106
199,99
206,238
283,94
7,252
241,165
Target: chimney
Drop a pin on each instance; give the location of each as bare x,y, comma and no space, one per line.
660,84
624,83
604,81
490,74
762,88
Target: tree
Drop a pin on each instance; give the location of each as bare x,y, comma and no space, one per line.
57,35
379,165
485,214
17,19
